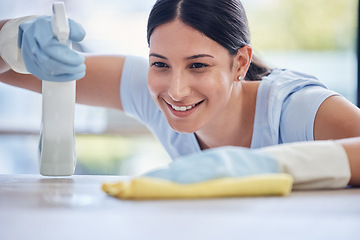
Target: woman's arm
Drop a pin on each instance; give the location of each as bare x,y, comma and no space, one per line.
101,84
337,118
99,87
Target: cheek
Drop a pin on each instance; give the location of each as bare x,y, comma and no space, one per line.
219,85
155,84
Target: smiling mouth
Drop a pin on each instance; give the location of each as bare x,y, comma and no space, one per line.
183,108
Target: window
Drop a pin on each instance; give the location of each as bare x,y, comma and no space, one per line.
315,37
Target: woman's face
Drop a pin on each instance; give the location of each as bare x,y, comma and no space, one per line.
190,76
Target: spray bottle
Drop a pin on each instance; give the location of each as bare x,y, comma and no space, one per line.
57,151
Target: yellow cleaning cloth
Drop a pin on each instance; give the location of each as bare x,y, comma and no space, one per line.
154,188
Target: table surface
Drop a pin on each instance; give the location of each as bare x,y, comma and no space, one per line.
37,207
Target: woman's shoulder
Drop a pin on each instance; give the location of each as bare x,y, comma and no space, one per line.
286,75
280,77
282,82
287,102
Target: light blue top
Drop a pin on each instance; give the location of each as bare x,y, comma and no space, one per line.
286,106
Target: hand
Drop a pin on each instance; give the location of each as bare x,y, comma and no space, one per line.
44,56
218,163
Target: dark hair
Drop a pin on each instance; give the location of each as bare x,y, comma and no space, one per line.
223,21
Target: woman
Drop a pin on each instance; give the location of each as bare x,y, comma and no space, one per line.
208,90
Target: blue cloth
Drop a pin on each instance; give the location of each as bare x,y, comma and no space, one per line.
286,107
217,163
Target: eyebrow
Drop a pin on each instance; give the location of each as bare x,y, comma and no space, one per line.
157,55
199,56
187,58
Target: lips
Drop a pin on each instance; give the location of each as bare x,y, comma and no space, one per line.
183,108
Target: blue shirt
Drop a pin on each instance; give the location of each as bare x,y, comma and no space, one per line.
286,106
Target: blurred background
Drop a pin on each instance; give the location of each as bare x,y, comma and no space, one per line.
317,37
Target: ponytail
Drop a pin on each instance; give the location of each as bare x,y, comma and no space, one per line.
257,70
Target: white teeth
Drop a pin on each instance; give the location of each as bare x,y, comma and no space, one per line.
182,108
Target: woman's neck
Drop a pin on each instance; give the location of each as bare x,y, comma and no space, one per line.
234,125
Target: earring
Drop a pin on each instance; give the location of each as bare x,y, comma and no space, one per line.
240,78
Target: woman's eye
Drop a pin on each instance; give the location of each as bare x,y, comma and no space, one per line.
160,65
198,65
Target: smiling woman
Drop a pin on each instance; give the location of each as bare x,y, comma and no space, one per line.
231,32
202,88
188,69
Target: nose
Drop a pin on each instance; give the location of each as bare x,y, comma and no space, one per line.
179,87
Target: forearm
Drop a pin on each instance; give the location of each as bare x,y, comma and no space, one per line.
25,81
352,148
314,165
101,84
99,87
3,66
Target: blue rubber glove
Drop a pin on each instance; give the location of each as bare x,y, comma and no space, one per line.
217,163
44,56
